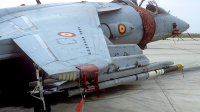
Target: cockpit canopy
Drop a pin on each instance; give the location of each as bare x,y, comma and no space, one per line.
153,8
152,5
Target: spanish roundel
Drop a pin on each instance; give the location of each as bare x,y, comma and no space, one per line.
66,34
121,29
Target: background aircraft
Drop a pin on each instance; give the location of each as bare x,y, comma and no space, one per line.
79,44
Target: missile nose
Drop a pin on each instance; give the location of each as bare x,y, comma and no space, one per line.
183,25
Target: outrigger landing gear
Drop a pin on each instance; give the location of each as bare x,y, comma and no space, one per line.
40,105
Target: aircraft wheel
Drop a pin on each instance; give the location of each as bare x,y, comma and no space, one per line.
38,107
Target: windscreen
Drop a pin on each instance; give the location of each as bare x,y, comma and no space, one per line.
152,6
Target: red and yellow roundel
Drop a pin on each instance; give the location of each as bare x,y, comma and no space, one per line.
121,29
66,34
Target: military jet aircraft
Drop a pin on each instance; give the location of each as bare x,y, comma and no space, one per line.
85,46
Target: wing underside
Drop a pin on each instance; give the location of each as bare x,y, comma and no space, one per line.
65,37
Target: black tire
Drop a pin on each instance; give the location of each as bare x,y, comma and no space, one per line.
38,107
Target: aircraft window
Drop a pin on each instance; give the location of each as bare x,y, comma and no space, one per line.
152,8
162,11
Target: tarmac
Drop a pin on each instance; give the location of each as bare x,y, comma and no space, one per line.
173,92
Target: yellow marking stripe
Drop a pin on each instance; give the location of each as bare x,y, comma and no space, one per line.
60,77
74,76
64,76
71,76
180,67
67,77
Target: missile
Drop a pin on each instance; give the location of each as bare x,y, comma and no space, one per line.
127,79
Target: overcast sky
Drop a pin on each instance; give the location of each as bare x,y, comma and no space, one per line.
187,10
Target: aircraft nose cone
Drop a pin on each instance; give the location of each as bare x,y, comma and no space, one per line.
183,26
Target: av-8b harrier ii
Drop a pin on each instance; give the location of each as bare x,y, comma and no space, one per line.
85,46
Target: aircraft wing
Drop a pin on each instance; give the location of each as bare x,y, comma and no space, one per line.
64,37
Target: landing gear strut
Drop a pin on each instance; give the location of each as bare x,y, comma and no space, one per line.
40,105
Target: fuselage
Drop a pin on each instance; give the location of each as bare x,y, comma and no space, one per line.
121,23
137,23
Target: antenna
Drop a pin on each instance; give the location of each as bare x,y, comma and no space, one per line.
38,1
141,3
